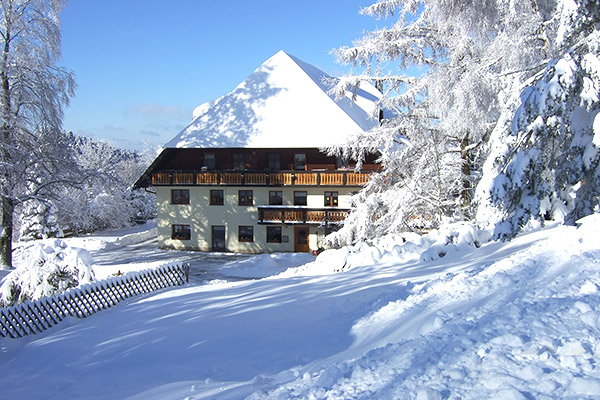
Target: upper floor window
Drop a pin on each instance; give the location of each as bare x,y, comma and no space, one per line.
216,198
238,161
275,198
181,232
331,199
180,196
274,160
300,198
245,198
209,161
300,161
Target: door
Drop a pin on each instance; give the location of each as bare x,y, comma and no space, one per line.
301,239
218,238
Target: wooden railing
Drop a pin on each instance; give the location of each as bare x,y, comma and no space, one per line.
282,215
238,178
36,316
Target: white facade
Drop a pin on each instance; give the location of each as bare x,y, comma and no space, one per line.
201,217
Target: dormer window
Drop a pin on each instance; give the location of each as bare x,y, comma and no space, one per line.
300,161
342,162
209,160
238,161
274,160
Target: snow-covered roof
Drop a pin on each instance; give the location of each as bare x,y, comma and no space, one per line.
283,103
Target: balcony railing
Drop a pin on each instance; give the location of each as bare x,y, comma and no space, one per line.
300,215
283,178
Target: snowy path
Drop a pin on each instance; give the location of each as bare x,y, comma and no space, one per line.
506,321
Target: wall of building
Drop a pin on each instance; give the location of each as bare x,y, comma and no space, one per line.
201,216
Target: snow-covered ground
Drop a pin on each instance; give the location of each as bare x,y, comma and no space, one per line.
514,320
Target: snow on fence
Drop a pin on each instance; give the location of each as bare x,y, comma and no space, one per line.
36,316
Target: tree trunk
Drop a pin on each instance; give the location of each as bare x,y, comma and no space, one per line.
6,232
466,192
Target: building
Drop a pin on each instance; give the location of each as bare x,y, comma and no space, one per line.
247,175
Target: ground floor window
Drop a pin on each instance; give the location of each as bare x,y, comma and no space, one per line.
246,234
181,232
273,234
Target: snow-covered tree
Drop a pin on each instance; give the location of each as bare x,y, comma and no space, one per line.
33,92
545,161
105,200
448,70
39,221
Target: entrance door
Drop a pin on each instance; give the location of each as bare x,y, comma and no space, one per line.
301,239
218,238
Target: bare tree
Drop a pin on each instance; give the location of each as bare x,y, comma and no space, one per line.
33,92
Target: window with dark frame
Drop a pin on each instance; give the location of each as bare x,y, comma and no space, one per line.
216,198
300,161
238,161
274,161
273,234
246,234
180,196
245,198
181,232
331,199
209,161
300,198
275,198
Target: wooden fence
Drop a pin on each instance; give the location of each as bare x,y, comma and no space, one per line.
36,316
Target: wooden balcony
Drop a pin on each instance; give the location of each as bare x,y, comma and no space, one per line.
300,215
260,178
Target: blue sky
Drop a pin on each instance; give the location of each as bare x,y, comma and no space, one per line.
142,66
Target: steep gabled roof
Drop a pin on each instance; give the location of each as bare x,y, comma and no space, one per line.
283,103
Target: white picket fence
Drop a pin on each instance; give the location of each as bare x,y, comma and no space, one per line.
36,316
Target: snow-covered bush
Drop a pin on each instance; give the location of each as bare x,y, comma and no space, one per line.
47,267
399,248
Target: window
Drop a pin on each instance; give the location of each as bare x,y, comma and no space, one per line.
273,234
246,234
300,161
216,198
209,161
342,162
180,196
300,198
275,198
238,161
245,198
331,199
274,160
181,232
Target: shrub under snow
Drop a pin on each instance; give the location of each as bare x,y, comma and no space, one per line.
450,238
46,268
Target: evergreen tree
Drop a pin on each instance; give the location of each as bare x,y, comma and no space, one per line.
448,70
545,162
